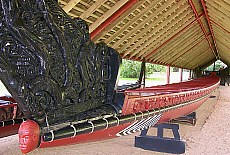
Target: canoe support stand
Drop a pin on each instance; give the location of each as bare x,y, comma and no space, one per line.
189,119
160,143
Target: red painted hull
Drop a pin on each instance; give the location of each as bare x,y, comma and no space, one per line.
111,132
9,130
171,101
181,111
9,111
84,138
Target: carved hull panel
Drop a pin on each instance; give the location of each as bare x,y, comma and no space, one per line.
50,66
113,131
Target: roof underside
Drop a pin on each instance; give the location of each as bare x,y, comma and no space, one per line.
180,33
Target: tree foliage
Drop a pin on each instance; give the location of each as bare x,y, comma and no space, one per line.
151,68
218,65
131,69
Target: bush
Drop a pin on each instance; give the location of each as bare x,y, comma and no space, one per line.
131,69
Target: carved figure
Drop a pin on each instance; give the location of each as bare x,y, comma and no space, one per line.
29,135
50,65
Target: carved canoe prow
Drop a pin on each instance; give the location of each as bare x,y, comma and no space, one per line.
65,84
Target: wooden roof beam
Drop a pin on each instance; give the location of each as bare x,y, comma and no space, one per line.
139,26
92,8
69,6
210,26
202,27
110,16
198,57
219,26
182,30
149,45
200,64
179,44
134,20
115,24
180,55
140,48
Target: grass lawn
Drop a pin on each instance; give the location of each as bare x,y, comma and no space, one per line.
147,79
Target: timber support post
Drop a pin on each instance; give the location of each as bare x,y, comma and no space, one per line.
168,74
197,73
181,74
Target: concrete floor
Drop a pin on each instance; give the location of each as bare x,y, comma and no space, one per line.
204,138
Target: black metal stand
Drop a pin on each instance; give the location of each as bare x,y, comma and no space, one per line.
188,119
159,143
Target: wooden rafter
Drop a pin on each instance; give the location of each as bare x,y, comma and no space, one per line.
152,29
212,21
210,26
190,24
176,27
92,8
106,15
113,17
139,26
137,17
194,54
202,27
69,6
195,43
198,61
115,23
181,44
147,42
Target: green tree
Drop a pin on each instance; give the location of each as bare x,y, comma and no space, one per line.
151,68
131,69
218,65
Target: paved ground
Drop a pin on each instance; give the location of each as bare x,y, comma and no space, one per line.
214,136
210,136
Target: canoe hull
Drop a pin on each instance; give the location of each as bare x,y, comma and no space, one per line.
112,132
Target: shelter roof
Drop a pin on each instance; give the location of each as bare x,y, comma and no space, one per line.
180,33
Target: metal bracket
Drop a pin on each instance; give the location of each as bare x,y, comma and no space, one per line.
189,119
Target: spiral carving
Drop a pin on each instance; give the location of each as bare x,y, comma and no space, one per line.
50,65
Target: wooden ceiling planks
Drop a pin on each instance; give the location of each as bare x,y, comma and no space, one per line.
185,44
174,29
113,18
159,30
140,24
70,5
92,9
119,23
203,28
193,57
210,26
130,23
219,13
160,33
107,14
179,43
